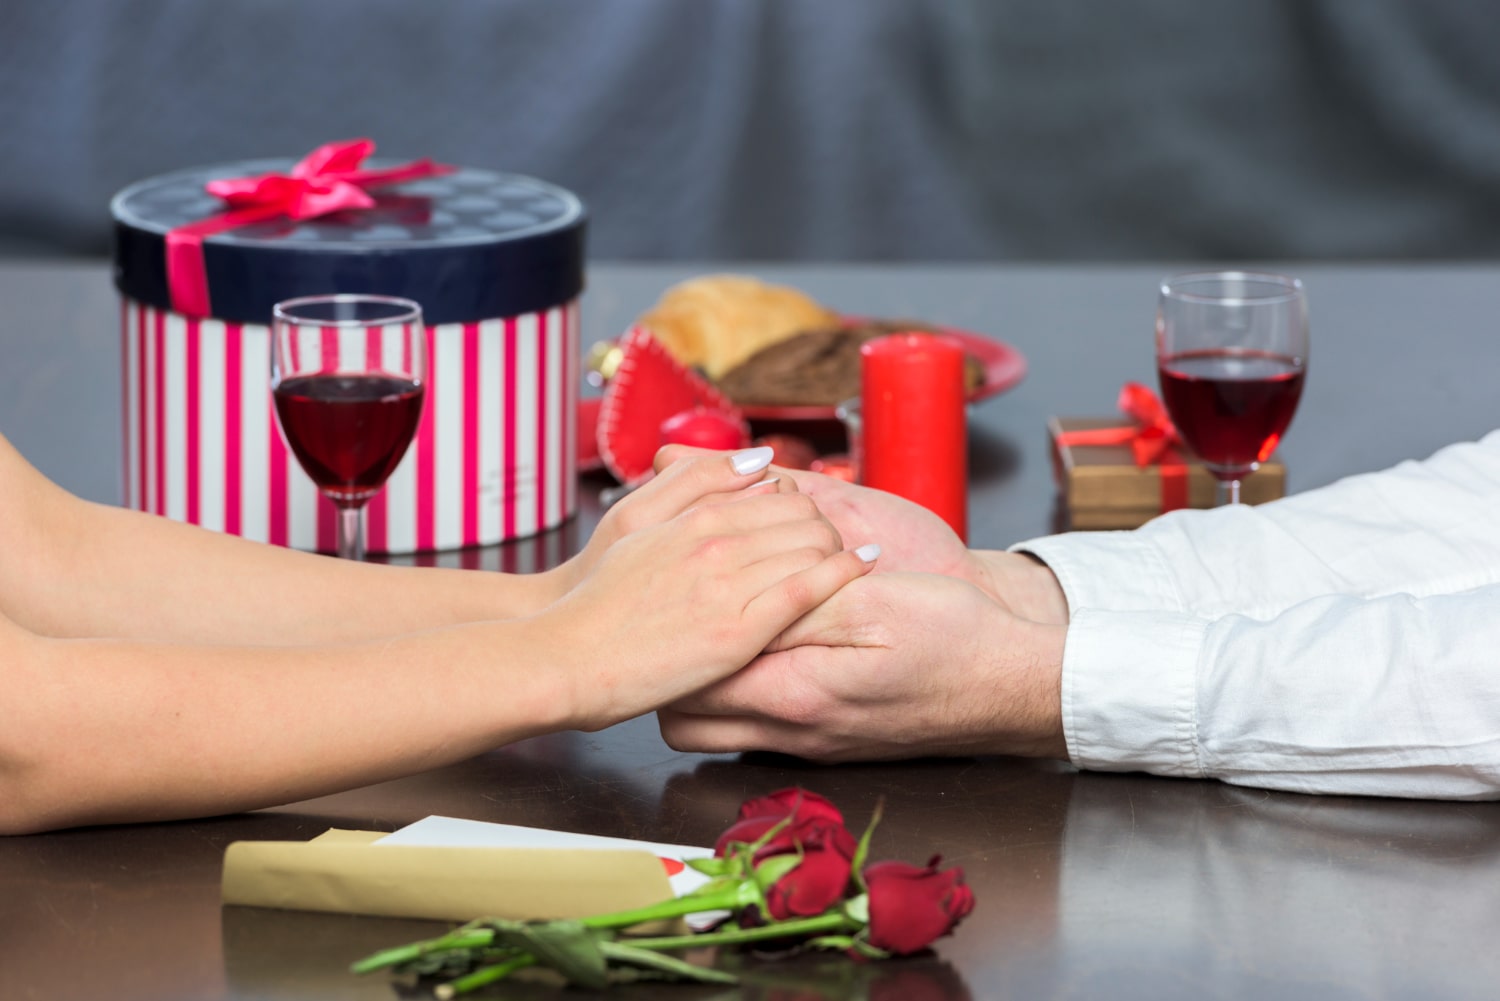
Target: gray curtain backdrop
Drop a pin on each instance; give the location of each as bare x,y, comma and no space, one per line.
805,129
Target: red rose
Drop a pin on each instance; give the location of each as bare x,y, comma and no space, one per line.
913,906
814,828
822,877
757,816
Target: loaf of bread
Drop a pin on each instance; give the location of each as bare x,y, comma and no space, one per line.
715,322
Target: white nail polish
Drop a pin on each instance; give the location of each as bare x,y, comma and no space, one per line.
868,552
752,460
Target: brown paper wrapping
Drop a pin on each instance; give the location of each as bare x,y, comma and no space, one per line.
345,872
1103,488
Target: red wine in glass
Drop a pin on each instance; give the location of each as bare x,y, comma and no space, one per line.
347,377
1231,405
349,431
1231,352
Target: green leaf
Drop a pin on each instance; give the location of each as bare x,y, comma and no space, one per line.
858,908
568,947
862,851
770,872
673,967
765,838
710,866
861,944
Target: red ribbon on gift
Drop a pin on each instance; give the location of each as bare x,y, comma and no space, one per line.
329,179
1153,440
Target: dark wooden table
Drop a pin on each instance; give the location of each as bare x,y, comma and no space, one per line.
1089,886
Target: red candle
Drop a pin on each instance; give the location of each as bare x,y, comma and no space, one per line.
914,427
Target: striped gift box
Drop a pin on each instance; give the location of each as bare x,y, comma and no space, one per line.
495,456
493,459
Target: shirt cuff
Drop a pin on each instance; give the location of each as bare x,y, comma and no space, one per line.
1130,692
1117,571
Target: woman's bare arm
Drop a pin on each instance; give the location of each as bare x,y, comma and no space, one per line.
123,729
71,568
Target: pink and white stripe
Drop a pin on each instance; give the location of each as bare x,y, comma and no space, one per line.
494,457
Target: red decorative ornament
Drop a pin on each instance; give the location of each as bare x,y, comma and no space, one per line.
647,388
701,427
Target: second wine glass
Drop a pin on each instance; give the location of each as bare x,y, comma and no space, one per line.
348,374
1231,354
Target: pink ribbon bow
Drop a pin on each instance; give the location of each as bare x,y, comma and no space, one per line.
328,179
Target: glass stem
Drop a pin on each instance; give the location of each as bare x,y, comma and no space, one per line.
1229,492
351,532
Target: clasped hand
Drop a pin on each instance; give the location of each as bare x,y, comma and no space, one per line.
943,650
688,580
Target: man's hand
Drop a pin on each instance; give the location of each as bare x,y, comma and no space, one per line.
916,540
891,666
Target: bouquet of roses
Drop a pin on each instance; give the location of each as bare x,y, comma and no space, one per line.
788,872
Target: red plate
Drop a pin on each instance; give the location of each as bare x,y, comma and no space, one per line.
1004,368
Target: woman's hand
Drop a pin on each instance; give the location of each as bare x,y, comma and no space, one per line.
671,607
661,499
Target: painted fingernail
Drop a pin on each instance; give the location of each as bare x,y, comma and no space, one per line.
751,460
868,552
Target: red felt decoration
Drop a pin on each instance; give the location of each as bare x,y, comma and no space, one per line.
648,387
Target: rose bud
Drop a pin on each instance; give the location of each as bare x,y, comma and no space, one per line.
788,451
703,427
913,906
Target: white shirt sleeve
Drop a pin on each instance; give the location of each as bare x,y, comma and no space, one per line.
1343,641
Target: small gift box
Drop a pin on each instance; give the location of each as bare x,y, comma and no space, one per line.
1120,472
496,262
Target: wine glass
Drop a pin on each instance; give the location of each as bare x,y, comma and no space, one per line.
1231,354
348,374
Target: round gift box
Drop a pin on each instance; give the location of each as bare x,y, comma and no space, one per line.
495,260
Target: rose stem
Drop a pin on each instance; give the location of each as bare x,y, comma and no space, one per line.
781,929
482,976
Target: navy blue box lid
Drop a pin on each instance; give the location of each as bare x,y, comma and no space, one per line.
467,246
